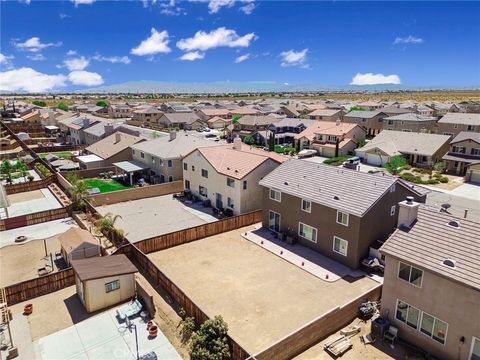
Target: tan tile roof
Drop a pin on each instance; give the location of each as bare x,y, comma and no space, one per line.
431,240
74,237
215,112
324,112
109,146
327,128
238,163
218,118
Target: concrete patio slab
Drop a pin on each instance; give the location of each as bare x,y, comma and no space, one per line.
23,206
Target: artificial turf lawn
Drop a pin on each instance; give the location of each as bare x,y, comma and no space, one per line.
105,185
62,154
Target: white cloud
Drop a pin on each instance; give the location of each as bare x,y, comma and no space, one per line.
156,43
113,59
220,37
27,2
85,78
171,8
82,2
192,56
75,64
408,40
27,79
375,79
214,6
5,60
242,58
294,58
36,57
63,16
248,9
71,52
35,45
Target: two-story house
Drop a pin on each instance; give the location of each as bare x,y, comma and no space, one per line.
147,116
371,120
181,120
116,111
431,287
326,114
410,122
337,212
284,131
464,150
164,155
248,125
76,129
453,123
329,138
228,175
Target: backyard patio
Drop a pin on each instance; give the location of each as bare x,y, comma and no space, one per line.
105,185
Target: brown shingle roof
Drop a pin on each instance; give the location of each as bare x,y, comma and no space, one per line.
102,267
431,240
109,146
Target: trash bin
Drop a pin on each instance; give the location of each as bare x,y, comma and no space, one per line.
379,326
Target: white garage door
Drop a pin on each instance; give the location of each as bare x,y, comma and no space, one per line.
374,159
475,177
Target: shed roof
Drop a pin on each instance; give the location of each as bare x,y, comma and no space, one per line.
102,267
74,237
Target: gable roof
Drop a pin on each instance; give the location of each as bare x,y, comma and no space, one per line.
327,128
411,117
466,135
460,118
431,240
109,146
181,117
259,120
364,114
325,112
347,190
102,267
74,237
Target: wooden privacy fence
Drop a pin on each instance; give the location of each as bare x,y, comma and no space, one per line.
29,186
33,288
157,277
32,219
317,330
166,241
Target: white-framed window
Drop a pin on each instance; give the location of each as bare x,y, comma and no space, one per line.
448,134
475,349
342,218
410,274
187,184
169,163
231,182
306,206
142,154
205,173
275,195
112,286
340,246
203,191
230,202
434,328
185,166
407,314
392,210
475,151
274,219
307,232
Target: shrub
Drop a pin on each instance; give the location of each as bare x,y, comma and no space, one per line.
395,165
248,140
39,103
182,313
102,103
210,341
188,327
407,167
336,161
437,175
30,178
62,106
43,170
444,179
432,181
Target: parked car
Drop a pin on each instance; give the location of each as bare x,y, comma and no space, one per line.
352,163
306,153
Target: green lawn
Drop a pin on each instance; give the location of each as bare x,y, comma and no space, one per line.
62,154
105,185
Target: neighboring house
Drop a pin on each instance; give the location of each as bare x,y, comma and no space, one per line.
464,150
370,105
326,114
228,175
337,212
323,136
284,130
187,121
249,124
371,120
116,111
431,286
104,281
393,110
163,156
114,148
454,123
77,243
208,113
289,111
218,123
149,115
175,108
424,110
99,131
410,122
76,129
32,117
418,149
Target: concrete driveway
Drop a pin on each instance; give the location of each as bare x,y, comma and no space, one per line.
468,190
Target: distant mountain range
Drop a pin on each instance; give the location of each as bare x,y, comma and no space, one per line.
243,87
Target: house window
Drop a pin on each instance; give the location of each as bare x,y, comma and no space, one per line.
275,195
411,274
471,128
407,130
185,166
133,152
202,191
245,185
475,352
231,182
170,178
274,221
340,246
230,202
307,232
342,218
142,155
193,167
112,286
390,122
187,184
392,210
205,173
407,314
475,151
306,206
433,327
169,163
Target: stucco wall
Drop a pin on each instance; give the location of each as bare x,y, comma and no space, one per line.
97,298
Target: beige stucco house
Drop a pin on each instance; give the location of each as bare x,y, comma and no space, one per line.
104,281
464,151
410,122
431,288
371,120
454,123
326,114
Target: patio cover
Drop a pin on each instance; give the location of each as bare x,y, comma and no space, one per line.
89,158
130,166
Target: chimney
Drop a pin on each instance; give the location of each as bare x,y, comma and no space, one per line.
108,129
337,122
86,122
173,135
118,137
407,213
237,143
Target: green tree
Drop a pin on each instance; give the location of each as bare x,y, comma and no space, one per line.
439,166
210,341
395,165
248,140
39,103
236,118
188,327
78,191
102,103
7,169
106,225
62,106
22,167
271,142
357,108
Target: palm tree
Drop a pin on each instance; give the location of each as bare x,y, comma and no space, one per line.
78,191
106,225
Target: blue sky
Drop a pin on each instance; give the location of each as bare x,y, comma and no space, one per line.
68,45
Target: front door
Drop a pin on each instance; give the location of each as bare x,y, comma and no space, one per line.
274,221
218,201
